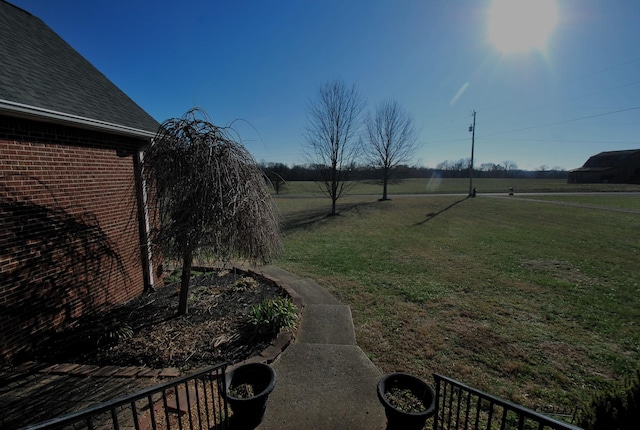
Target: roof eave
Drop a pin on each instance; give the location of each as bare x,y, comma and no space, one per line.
591,169
33,112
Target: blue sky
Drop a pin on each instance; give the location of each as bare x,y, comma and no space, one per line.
262,62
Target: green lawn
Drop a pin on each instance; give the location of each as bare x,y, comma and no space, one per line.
444,186
623,201
535,302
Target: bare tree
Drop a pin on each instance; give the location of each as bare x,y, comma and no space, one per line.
276,173
391,139
209,194
331,136
454,168
510,167
541,171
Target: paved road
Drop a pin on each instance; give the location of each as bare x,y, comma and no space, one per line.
462,195
516,196
531,197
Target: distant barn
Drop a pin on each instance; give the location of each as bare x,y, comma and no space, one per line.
616,167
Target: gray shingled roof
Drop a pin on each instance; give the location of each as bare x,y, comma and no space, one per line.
607,160
41,74
610,158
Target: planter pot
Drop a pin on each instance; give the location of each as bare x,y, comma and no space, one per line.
248,410
397,418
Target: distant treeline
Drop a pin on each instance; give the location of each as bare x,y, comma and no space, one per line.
447,169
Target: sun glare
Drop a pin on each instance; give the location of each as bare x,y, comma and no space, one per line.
521,25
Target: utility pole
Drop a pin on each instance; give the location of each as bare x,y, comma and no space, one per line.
472,129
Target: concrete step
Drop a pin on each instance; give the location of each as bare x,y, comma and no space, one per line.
327,324
310,290
324,387
274,272
313,293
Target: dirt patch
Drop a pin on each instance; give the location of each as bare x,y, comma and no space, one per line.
146,331
557,269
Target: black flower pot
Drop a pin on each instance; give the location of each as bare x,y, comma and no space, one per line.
248,411
398,418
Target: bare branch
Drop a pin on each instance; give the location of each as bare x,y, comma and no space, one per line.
210,194
331,136
391,139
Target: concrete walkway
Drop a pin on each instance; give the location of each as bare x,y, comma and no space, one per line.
324,380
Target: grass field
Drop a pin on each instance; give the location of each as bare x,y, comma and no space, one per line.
535,302
444,186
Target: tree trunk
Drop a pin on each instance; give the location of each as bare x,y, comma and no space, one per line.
187,259
385,181
334,190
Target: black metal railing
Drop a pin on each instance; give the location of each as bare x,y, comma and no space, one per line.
459,406
190,402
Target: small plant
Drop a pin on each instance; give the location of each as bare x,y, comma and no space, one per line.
273,315
242,391
245,283
113,333
405,400
175,276
172,278
618,408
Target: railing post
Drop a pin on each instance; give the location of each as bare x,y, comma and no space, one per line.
437,414
486,408
117,410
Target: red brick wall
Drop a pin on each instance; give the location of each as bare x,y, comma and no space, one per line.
69,235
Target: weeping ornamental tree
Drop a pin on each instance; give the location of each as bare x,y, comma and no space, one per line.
209,195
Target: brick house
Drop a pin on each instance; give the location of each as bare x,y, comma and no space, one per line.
72,226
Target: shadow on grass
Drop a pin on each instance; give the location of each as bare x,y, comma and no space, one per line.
432,215
309,218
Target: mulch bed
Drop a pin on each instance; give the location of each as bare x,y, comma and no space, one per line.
146,331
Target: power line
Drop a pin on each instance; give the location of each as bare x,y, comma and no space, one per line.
621,142
606,69
567,100
446,141
564,83
501,105
553,104
562,122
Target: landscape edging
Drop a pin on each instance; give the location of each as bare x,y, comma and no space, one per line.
285,338
267,356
